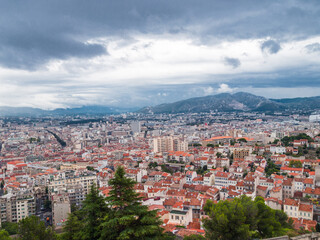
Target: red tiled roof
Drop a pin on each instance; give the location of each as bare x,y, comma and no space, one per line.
305,207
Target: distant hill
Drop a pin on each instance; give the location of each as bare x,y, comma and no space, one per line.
224,102
240,101
85,110
307,103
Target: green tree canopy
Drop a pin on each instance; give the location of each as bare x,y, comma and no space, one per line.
4,235
128,219
32,228
153,164
90,168
243,218
10,227
276,141
93,211
73,228
295,164
194,237
271,168
227,221
287,140
242,140
267,224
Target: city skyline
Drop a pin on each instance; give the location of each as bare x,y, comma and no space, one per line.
70,54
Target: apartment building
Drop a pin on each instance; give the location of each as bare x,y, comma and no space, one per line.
76,194
60,184
60,209
17,207
169,143
241,153
295,209
25,206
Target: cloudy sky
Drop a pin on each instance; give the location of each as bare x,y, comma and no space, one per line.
68,53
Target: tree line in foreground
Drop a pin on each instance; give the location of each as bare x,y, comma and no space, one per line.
122,216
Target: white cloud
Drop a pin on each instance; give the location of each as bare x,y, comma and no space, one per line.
149,61
224,88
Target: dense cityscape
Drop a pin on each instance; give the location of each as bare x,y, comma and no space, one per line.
160,120
178,161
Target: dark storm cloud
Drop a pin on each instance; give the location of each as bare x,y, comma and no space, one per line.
34,32
27,51
233,62
314,47
270,46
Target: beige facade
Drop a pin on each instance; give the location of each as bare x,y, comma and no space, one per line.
295,209
61,184
25,207
240,153
15,208
60,209
169,143
182,218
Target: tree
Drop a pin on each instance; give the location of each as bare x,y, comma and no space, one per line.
10,227
219,154
195,145
93,211
271,168
276,141
282,217
242,140
288,140
243,218
128,218
194,237
153,164
73,228
32,228
47,204
4,235
90,168
295,164
224,223
267,224
164,168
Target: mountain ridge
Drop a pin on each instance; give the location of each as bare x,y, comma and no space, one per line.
224,102
240,101
84,110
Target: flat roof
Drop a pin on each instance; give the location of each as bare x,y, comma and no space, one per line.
178,212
